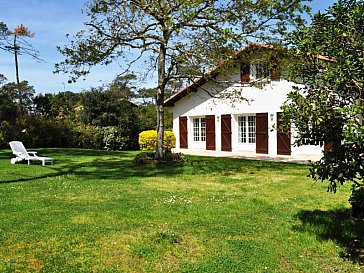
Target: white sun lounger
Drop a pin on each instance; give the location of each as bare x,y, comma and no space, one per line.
22,154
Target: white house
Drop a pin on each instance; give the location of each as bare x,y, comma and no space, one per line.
207,118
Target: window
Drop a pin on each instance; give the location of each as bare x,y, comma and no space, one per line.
199,129
261,71
246,129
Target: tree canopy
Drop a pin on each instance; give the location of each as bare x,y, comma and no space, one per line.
328,108
177,39
21,94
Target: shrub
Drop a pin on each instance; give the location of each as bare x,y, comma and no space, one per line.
89,137
114,139
148,140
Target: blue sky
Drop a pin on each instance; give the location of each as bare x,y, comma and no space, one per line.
51,20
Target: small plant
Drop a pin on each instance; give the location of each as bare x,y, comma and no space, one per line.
144,158
164,237
174,157
357,201
169,157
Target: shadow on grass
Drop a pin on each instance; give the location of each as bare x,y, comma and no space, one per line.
87,164
97,164
338,226
5,155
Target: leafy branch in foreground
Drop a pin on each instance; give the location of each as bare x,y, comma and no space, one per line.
329,107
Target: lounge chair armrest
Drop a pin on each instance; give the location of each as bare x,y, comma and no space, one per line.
18,155
34,153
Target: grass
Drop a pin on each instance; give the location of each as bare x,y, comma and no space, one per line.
94,211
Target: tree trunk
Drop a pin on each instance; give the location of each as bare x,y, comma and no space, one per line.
159,153
17,76
16,60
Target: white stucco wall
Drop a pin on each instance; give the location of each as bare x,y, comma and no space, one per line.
260,100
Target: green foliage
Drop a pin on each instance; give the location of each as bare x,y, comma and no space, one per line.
51,132
89,137
148,140
147,117
96,119
43,132
118,118
102,107
8,108
328,108
43,104
64,105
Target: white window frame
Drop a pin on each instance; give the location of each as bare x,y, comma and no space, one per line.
247,129
199,129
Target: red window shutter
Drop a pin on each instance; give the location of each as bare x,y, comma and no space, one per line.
261,133
226,133
210,133
183,133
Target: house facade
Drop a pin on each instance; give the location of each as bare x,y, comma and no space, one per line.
235,109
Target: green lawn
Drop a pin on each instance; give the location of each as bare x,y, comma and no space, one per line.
94,211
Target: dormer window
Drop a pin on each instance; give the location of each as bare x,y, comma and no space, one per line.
258,72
